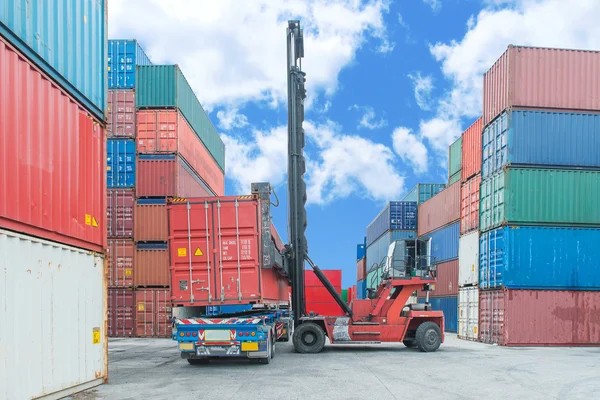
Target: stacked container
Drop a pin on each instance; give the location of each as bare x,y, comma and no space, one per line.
318,299
539,214
52,198
361,269
455,161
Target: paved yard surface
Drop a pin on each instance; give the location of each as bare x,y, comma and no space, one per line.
152,369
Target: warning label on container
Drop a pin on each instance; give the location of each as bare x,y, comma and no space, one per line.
198,252
88,219
128,272
94,222
95,335
141,307
181,252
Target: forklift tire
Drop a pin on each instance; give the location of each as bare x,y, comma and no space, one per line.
428,336
198,361
309,338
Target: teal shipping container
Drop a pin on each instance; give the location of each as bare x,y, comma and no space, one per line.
123,58
423,192
165,86
67,40
455,158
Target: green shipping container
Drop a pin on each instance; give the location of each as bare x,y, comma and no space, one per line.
164,86
544,197
345,295
454,178
455,157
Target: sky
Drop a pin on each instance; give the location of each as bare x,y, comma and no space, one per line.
390,85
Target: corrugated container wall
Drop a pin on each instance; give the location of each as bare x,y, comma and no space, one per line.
378,250
167,131
539,317
454,178
532,196
52,157
449,305
471,150
469,205
151,223
121,313
447,280
161,86
540,258
123,57
360,251
153,313
121,114
541,78
440,210
120,163
396,215
361,269
455,157
120,254
151,265
468,313
423,192
468,259
120,213
444,243
361,290
56,295
536,137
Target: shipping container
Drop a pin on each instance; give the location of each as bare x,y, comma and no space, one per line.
152,313
167,131
345,295
540,258
224,310
378,250
449,306
120,114
471,151
165,86
468,259
123,58
361,290
447,280
468,313
361,251
541,137
423,192
320,294
52,324
469,205
454,178
396,215
541,78
539,317
121,313
151,223
120,163
120,254
455,157
440,210
537,196
168,175
229,258
326,309
333,275
151,265
443,245
54,182
65,41
361,269
119,212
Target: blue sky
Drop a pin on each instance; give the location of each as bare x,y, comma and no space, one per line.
390,83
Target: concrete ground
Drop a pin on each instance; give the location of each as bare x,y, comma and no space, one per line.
152,369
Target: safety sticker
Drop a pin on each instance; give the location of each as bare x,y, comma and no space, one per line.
95,335
198,252
94,222
181,252
128,272
88,219
141,307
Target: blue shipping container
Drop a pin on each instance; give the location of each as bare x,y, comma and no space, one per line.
67,40
361,289
449,306
423,192
396,215
444,243
534,137
360,251
540,258
233,309
378,250
120,163
123,57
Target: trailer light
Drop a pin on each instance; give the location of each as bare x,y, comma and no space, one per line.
253,334
247,333
181,334
240,333
187,334
194,334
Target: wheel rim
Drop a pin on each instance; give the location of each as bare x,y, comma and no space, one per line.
309,339
431,337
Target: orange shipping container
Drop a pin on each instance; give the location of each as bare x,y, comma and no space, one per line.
440,210
361,269
151,265
469,205
120,254
167,131
471,150
153,313
151,220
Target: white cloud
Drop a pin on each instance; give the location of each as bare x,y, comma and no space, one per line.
402,22
435,5
369,119
411,149
423,87
231,118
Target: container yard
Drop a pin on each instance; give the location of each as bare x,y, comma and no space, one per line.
131,266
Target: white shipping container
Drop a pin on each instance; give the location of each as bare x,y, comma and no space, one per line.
468,259
468,312
52,320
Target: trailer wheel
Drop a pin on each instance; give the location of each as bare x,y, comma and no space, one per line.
267,359
198,361
273,344
309,338
428,336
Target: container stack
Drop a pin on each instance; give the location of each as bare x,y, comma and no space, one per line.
539,213
52,198
468,244
361,270
423,192
455,161
318,299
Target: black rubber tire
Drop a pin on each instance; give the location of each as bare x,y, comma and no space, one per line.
198,361
273,346
428,336
267,359
410,342
309,338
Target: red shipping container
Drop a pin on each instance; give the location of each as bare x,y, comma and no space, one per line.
153,313
151,265
440,210
333,275
541,78
119,212
151,220
327,309
229,259
539,317
120,254
447,280
471,150
121,113
361,269
316,294
168,176
121,313
167,131
52,159
469,205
